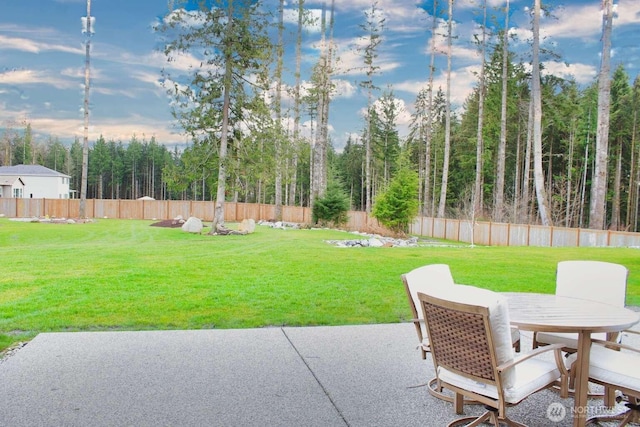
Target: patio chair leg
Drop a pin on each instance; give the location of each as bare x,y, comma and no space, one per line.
472,421
437,392
491,416
609,397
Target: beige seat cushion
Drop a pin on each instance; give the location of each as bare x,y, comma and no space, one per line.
530,376
619,368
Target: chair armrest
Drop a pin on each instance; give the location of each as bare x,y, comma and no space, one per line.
557,352
417,320
529,355
615,345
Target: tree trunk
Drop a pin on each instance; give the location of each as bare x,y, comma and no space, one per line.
516,180
631,194
316,151
538,172
224,132
569,209
615,205
327,94
279,136
526,174
85,145
447,135
319,171
427,209
477,192
599,180
502,146
296,105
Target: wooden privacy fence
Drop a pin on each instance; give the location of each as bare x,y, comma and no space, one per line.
503,234
479,233
161,209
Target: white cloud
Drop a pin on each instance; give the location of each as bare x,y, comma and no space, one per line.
23,77
312,19
351,62
403,117
343,88
400,15
463,81
121,129
627,12
582,73
32,46
563,24
474,4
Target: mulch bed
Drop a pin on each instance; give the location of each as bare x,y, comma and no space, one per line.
170,223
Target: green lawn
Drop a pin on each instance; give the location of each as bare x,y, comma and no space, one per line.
126,275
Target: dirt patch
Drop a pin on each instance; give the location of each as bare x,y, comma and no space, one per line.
169,223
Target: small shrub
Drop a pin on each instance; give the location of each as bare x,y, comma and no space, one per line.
398,205
331,210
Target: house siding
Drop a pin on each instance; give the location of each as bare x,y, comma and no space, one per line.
39,182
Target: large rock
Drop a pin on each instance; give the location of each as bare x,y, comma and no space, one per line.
192,225
375,243
247,226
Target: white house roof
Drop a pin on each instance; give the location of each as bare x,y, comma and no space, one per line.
28,170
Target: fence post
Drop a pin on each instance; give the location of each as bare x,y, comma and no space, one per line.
490,232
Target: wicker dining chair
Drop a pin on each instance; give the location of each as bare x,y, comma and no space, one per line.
469,336
615,366
422,279
600,281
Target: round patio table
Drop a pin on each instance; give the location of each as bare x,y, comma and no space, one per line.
552,313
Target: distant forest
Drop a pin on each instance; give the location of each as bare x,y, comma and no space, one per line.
135,168
513,150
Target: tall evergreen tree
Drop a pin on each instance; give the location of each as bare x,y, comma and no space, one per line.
620,130
231,38
323,90
372,29
279,138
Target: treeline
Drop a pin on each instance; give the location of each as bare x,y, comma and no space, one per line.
516,149
116,170
135,168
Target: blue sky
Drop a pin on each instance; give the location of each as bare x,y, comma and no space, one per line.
42,56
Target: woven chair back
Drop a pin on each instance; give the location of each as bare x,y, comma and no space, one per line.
460,338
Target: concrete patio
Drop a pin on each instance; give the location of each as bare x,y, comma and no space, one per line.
359,376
